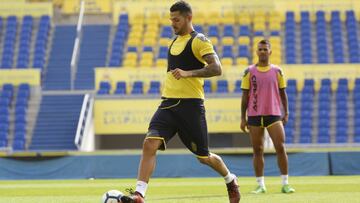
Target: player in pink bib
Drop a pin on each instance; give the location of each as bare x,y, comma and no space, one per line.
263,96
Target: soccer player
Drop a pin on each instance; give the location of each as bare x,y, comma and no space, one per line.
191,58
263,87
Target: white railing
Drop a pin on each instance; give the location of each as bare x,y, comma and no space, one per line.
75,54
84,121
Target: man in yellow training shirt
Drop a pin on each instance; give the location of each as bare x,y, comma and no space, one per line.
191,58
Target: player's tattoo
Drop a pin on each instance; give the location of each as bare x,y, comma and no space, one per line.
212,69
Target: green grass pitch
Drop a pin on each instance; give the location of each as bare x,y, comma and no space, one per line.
183,190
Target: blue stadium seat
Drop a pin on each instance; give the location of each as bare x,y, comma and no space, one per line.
324,122
147,49
341,135
154,87
104,88
132,49
137,88
244,30
305,122
238,86
4,127
228,31
222,86
305,135
227,51
207,86
5,102
289,135
18,145
213,31
324,135
243,51
120,87
166,32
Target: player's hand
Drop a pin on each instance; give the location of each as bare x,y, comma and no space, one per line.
285,119
244,125
178,73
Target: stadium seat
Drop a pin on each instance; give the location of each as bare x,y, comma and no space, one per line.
137,87
120,88
154,87
323,135
104,88
222,86
207,86
305,135
238,86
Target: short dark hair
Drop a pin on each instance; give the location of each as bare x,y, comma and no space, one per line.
266,42
181,6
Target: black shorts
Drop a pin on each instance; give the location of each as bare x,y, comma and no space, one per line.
186,117
263,121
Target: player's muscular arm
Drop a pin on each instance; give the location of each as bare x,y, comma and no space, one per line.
284,101
244,105
212,69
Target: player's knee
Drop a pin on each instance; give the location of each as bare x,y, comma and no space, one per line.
280,148
151,145
258,150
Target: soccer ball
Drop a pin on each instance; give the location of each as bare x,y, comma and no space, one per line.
112,196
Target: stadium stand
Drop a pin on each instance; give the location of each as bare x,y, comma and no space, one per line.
57,123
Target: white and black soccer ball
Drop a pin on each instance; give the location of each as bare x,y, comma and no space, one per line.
112,196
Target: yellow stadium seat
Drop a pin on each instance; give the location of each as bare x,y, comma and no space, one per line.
227,62
229,13
154,15
149,42
164,41
137,21
198,18
259,26
275,40
152,28
244,40
244,21
275,19
146,63
152,21
227,41
214,40
137,28
243,15
275,26
147,55
129,63
131,55
228,20
135,35
134,42
242,61
151,35
213,17
161,63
